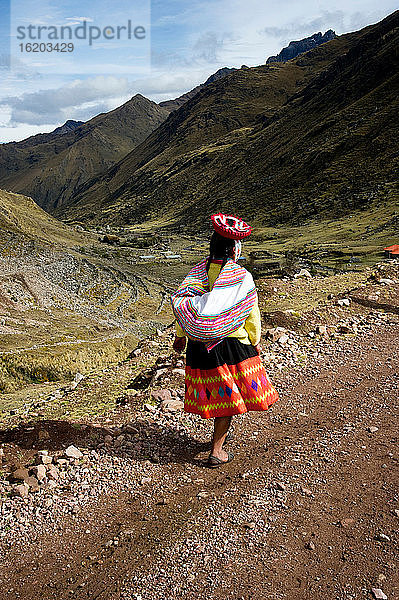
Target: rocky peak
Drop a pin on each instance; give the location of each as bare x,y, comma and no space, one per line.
297,47
220,73
67,127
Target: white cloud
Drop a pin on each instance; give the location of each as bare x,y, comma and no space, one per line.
77,20
233,32
89,19
327,20
51,105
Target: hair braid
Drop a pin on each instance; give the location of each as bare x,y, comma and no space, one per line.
220,248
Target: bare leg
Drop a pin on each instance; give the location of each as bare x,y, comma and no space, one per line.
221,427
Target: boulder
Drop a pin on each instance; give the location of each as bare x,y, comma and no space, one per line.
303,273
171,405
43,435
39,471
372,429
161,395
321,329
21,490
33,483
379,594
73,452
20,474
53,473
283,339
275,333
119,441
343,302
159,373
177,371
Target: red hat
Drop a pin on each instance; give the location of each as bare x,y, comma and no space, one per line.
230,227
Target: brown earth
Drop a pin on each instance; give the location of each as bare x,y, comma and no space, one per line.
297,515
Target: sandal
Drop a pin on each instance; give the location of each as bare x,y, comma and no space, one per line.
213,461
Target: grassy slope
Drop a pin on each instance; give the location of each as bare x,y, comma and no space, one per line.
22,216
50,168
63,306
316,135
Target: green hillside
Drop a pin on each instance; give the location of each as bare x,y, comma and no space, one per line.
67,303
22,218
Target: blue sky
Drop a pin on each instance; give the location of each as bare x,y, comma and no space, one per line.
185,41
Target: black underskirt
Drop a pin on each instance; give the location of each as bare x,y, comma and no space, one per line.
229,351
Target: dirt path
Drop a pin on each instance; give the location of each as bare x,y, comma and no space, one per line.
305,511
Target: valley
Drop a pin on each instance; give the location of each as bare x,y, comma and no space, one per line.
103,490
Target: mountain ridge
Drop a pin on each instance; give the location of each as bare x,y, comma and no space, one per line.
272,157
175,103
49,167
40,138
297,47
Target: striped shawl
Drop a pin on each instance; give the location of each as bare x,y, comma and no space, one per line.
209,316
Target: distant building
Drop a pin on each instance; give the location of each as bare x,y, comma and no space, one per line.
392,251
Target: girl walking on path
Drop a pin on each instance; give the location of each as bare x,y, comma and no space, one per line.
216,308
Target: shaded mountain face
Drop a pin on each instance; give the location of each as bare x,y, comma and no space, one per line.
177,102
298,47
275,143
22,218
50,167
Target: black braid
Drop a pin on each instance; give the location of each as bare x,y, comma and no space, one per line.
220,248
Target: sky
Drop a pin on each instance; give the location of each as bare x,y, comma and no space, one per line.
158,48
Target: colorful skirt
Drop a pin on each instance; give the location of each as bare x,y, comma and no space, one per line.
228,380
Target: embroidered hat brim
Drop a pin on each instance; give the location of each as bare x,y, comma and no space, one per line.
230,226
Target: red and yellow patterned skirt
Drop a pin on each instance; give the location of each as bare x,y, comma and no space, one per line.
228,380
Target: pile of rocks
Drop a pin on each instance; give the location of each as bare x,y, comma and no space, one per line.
44,474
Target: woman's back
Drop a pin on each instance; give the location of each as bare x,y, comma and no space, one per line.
250,332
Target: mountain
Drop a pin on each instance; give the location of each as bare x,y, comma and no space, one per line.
42,138
298,47
220,73
69,125
277,143
49,167
177,102
291,51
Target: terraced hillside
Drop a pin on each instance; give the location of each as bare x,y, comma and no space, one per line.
67,304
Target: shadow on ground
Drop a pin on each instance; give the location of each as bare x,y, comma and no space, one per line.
149,441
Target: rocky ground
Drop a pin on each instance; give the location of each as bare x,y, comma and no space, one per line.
116,503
